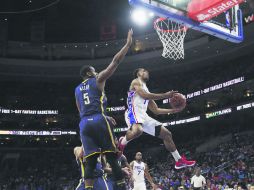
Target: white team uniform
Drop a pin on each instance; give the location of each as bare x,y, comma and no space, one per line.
136,112
139,176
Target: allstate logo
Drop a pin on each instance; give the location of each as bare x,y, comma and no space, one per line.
202,17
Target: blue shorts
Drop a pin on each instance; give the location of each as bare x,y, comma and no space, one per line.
100,183
96,135
111,183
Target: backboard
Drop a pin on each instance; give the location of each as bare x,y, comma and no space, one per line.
220,18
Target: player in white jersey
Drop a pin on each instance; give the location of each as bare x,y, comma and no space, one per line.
139,99
139,172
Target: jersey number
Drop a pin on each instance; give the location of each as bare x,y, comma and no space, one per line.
86,98
139,172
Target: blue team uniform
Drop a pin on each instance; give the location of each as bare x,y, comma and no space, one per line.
96,133
100,182
110,179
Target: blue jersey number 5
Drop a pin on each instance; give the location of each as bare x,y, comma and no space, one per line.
86,98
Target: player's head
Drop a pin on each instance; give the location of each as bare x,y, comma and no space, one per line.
198,172
141,73
78,152
87,71
138,156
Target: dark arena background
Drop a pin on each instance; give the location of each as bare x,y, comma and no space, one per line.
43,45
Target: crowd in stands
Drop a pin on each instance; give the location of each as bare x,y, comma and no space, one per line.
229,165
51,169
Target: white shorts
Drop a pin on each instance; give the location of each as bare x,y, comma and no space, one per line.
139,186
144,119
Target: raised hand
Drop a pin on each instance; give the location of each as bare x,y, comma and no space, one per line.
129,37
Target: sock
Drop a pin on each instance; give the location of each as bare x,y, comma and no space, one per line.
124,141
176,155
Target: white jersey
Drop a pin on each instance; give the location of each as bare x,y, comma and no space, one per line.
137,106
139,172
136,112
136,102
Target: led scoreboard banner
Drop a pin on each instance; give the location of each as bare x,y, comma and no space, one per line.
28,112
225,111
37,133
212,88
210,115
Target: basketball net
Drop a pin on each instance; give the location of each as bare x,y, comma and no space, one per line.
172,36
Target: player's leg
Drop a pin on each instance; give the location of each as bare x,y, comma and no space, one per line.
91,149
116,170
91,162
157,129
135,129
108,147
167,138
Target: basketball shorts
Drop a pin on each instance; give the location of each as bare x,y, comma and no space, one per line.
96,135
149,124
139,186
99,184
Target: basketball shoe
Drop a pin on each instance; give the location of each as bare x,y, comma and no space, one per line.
183,162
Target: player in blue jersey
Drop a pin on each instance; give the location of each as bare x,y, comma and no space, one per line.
126,170
95,130
100,182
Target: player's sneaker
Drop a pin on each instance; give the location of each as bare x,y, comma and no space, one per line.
183,162
120,145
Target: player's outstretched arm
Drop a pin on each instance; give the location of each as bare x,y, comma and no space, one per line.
149,177
159,111
150,96
108,72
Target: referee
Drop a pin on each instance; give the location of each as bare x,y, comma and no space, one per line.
198,181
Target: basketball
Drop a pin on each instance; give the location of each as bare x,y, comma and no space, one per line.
178,101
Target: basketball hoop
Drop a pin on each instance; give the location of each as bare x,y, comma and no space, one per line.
172,36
